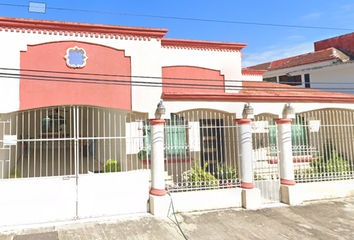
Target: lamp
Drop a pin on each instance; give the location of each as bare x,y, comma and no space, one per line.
247,111
160,110
288,111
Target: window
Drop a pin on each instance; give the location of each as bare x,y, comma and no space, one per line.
53,123
270,79
298,135
290,80
307,81
175,135
75,57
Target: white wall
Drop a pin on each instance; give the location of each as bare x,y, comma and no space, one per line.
144,62
338,78
255,78
325,76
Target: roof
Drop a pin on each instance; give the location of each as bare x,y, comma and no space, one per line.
255,91
304,59
23,24
197,44
343,42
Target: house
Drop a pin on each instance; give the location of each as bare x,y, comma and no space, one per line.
328,68
77,123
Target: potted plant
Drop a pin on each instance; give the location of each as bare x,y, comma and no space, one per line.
142,154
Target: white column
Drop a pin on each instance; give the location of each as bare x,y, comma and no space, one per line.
286,164
245,139
157,157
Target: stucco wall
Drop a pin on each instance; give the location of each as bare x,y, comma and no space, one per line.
228,62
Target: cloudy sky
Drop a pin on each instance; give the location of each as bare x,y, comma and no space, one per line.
252,22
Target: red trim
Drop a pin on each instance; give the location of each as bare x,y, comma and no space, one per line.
253,72
247,185
283,121
287,182
157,192
296,160
167,42
243,121
157,121
80,27
232,97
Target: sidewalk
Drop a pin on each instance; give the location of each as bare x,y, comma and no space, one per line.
317,220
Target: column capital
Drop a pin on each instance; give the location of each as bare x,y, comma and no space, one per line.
243,121
283,120
157,121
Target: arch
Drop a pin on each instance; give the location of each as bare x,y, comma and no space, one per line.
208,80
211,113
104,81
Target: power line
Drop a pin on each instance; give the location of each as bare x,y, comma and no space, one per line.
188,18
153,77
128,82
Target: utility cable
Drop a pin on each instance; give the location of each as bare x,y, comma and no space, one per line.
280,89
153,77
187,18
174,214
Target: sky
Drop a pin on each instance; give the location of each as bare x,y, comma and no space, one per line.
265,43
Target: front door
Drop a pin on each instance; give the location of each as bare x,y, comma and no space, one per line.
212,143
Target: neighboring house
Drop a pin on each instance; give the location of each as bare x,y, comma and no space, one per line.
329,68
76,103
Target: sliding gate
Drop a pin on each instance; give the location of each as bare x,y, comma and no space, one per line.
70,162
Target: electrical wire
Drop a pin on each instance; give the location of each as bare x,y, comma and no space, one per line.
187,18
174,214
222,86
280,89
146,77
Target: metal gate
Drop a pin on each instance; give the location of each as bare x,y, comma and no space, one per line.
265,157
69,162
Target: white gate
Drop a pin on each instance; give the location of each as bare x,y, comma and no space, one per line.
265,157
70,162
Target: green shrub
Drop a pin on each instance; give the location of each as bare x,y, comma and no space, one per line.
226,172
112,165
200,177
330,163
15,174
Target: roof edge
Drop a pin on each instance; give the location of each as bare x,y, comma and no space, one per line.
165,42
246,71
229,97
81,27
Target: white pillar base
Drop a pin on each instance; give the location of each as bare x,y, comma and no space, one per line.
160,205
291,195
251,198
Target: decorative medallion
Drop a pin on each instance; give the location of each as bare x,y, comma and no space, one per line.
76,57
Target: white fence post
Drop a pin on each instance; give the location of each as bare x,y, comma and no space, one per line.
245,140
289,193
159,201
157,158
251,196
285,152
